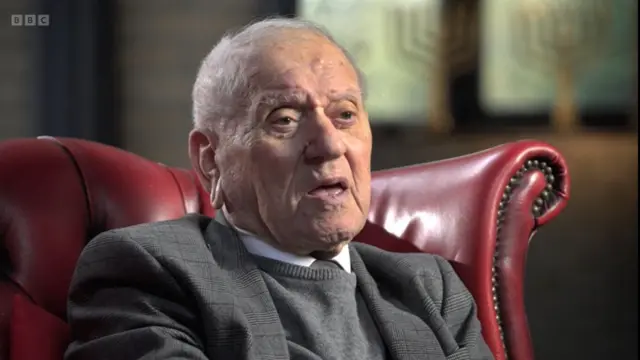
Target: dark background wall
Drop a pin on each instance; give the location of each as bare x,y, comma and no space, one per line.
17,63
582,271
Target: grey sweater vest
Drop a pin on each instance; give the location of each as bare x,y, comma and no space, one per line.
322,312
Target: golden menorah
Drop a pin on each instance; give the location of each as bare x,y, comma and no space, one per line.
564,38
441,36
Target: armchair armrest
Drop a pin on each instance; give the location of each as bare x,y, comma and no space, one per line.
479,211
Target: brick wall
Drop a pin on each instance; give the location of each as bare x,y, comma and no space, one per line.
161,46
17,68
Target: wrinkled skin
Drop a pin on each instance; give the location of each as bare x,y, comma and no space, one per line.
306,125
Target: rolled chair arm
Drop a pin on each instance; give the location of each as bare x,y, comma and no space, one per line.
479,211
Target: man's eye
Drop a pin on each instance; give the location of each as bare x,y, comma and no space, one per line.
284,118
284,121
346,115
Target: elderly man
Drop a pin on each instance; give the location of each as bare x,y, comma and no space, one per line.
283,143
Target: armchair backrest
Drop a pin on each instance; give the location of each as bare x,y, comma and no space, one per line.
478,211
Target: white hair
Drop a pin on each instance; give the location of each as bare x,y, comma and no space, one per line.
222,86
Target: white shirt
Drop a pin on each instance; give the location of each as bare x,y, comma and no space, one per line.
259,247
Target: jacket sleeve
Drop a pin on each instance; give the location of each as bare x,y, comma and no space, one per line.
123,304
459,312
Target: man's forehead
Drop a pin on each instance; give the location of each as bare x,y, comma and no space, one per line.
287,57
300,94
305,66
289,69
297,79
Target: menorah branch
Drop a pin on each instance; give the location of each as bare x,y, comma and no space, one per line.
414,37
563,38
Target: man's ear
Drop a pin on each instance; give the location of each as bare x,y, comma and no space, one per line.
202,153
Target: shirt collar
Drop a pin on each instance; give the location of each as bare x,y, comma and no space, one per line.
259,247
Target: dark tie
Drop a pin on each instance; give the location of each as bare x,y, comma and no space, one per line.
325,264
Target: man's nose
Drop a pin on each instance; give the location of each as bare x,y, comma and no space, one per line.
326,142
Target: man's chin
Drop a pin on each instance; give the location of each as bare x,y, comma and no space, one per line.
328,240
329,232
329,253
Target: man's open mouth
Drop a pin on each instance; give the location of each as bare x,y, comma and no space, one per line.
330,187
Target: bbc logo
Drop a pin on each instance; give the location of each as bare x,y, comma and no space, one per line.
29,20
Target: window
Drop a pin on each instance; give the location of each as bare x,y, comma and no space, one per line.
387,40
492,79
517,67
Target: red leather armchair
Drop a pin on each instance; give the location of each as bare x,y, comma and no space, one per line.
479,211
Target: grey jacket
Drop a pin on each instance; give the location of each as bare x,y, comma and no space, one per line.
188,289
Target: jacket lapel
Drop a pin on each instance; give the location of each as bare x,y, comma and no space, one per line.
253,305
406,335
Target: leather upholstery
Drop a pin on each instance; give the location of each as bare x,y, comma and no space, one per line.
479,211
36,334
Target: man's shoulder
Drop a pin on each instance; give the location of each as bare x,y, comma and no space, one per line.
413,263
191,225
430,272
181,246
159,237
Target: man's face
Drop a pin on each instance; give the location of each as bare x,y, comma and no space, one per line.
298,172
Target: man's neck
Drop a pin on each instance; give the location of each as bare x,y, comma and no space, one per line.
261,247
268,238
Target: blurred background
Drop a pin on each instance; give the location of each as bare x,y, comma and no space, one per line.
444,77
